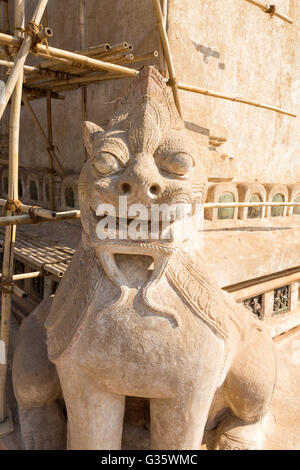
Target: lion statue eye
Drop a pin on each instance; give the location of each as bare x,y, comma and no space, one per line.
106,163
178,165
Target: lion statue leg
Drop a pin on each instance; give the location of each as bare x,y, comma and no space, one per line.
36,386
248,392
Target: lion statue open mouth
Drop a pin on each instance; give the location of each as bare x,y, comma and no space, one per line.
140,316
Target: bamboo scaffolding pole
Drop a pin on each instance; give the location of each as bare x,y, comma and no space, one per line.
50,156
147,56
9,65
84,89
56,85
40,257
124,71
36,73
271,11
79,81
73,68
38,211
10,232
36,94
53,52
43,83
46,252
167,51
42,80
38,252
115,49
48,145
165,12
27,219
21,276
215,94
96,51
75,214
19,292
53,268
21,57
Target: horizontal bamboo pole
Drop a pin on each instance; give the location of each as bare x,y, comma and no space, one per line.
202,91
60,85
55,84
148,56
27,68
21,276
21,57
36,94
53,52
19,292
75,214
266,9
124,71
26,219
91,52
263,287
73,68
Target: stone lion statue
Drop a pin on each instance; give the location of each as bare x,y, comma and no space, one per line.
142,318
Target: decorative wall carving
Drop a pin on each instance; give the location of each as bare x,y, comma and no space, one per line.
281,300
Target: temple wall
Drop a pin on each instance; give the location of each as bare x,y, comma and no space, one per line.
235,48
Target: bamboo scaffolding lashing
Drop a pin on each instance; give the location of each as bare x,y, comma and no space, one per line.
271,10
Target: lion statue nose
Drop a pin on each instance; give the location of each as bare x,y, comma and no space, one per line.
131,188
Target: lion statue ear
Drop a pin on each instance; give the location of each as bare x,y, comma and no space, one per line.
90,133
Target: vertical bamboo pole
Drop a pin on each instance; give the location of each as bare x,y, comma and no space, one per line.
21,57
84,88
10,232
165,12
43,135
50,158
167,51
